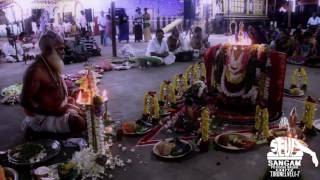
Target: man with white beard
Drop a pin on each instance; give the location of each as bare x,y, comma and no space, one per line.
44,95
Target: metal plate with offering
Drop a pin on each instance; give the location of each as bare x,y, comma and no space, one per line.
34,152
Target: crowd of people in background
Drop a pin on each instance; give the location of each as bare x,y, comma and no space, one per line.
300,44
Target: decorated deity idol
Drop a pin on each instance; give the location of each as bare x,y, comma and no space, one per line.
236,78
262,121
189,76
179,85
299,79
151,105
199,70
205,116
309,113
167,94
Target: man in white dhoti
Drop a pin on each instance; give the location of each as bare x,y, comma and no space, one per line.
179,47
12,50
158,50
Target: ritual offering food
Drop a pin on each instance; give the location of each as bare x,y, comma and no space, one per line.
234,141
29,152
172,148
34,152
132,128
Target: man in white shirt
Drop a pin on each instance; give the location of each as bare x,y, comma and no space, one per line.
102,21
83,21
12,50
313,21
159,48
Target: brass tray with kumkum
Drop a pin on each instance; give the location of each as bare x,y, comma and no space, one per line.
234,141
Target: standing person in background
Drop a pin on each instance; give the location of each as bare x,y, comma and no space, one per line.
102,25
74,29
8,30
43,22
83,22
123,27
146,25
108,31
61,29
137,22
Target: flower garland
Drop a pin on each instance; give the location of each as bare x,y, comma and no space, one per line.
189,76
179,84
309,113
262,84
251,93
11,94
155,103
166,85
299,75
238,80
199,70
93,165
265,123
205,124
85,161
202,87
262,121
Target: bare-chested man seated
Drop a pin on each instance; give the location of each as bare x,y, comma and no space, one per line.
44,96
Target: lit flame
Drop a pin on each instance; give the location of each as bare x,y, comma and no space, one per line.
84,98
79,98
246,41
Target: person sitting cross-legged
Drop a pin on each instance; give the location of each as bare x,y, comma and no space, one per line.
44,96
199,42
12,50
75,51
157,52
90,45
178,46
